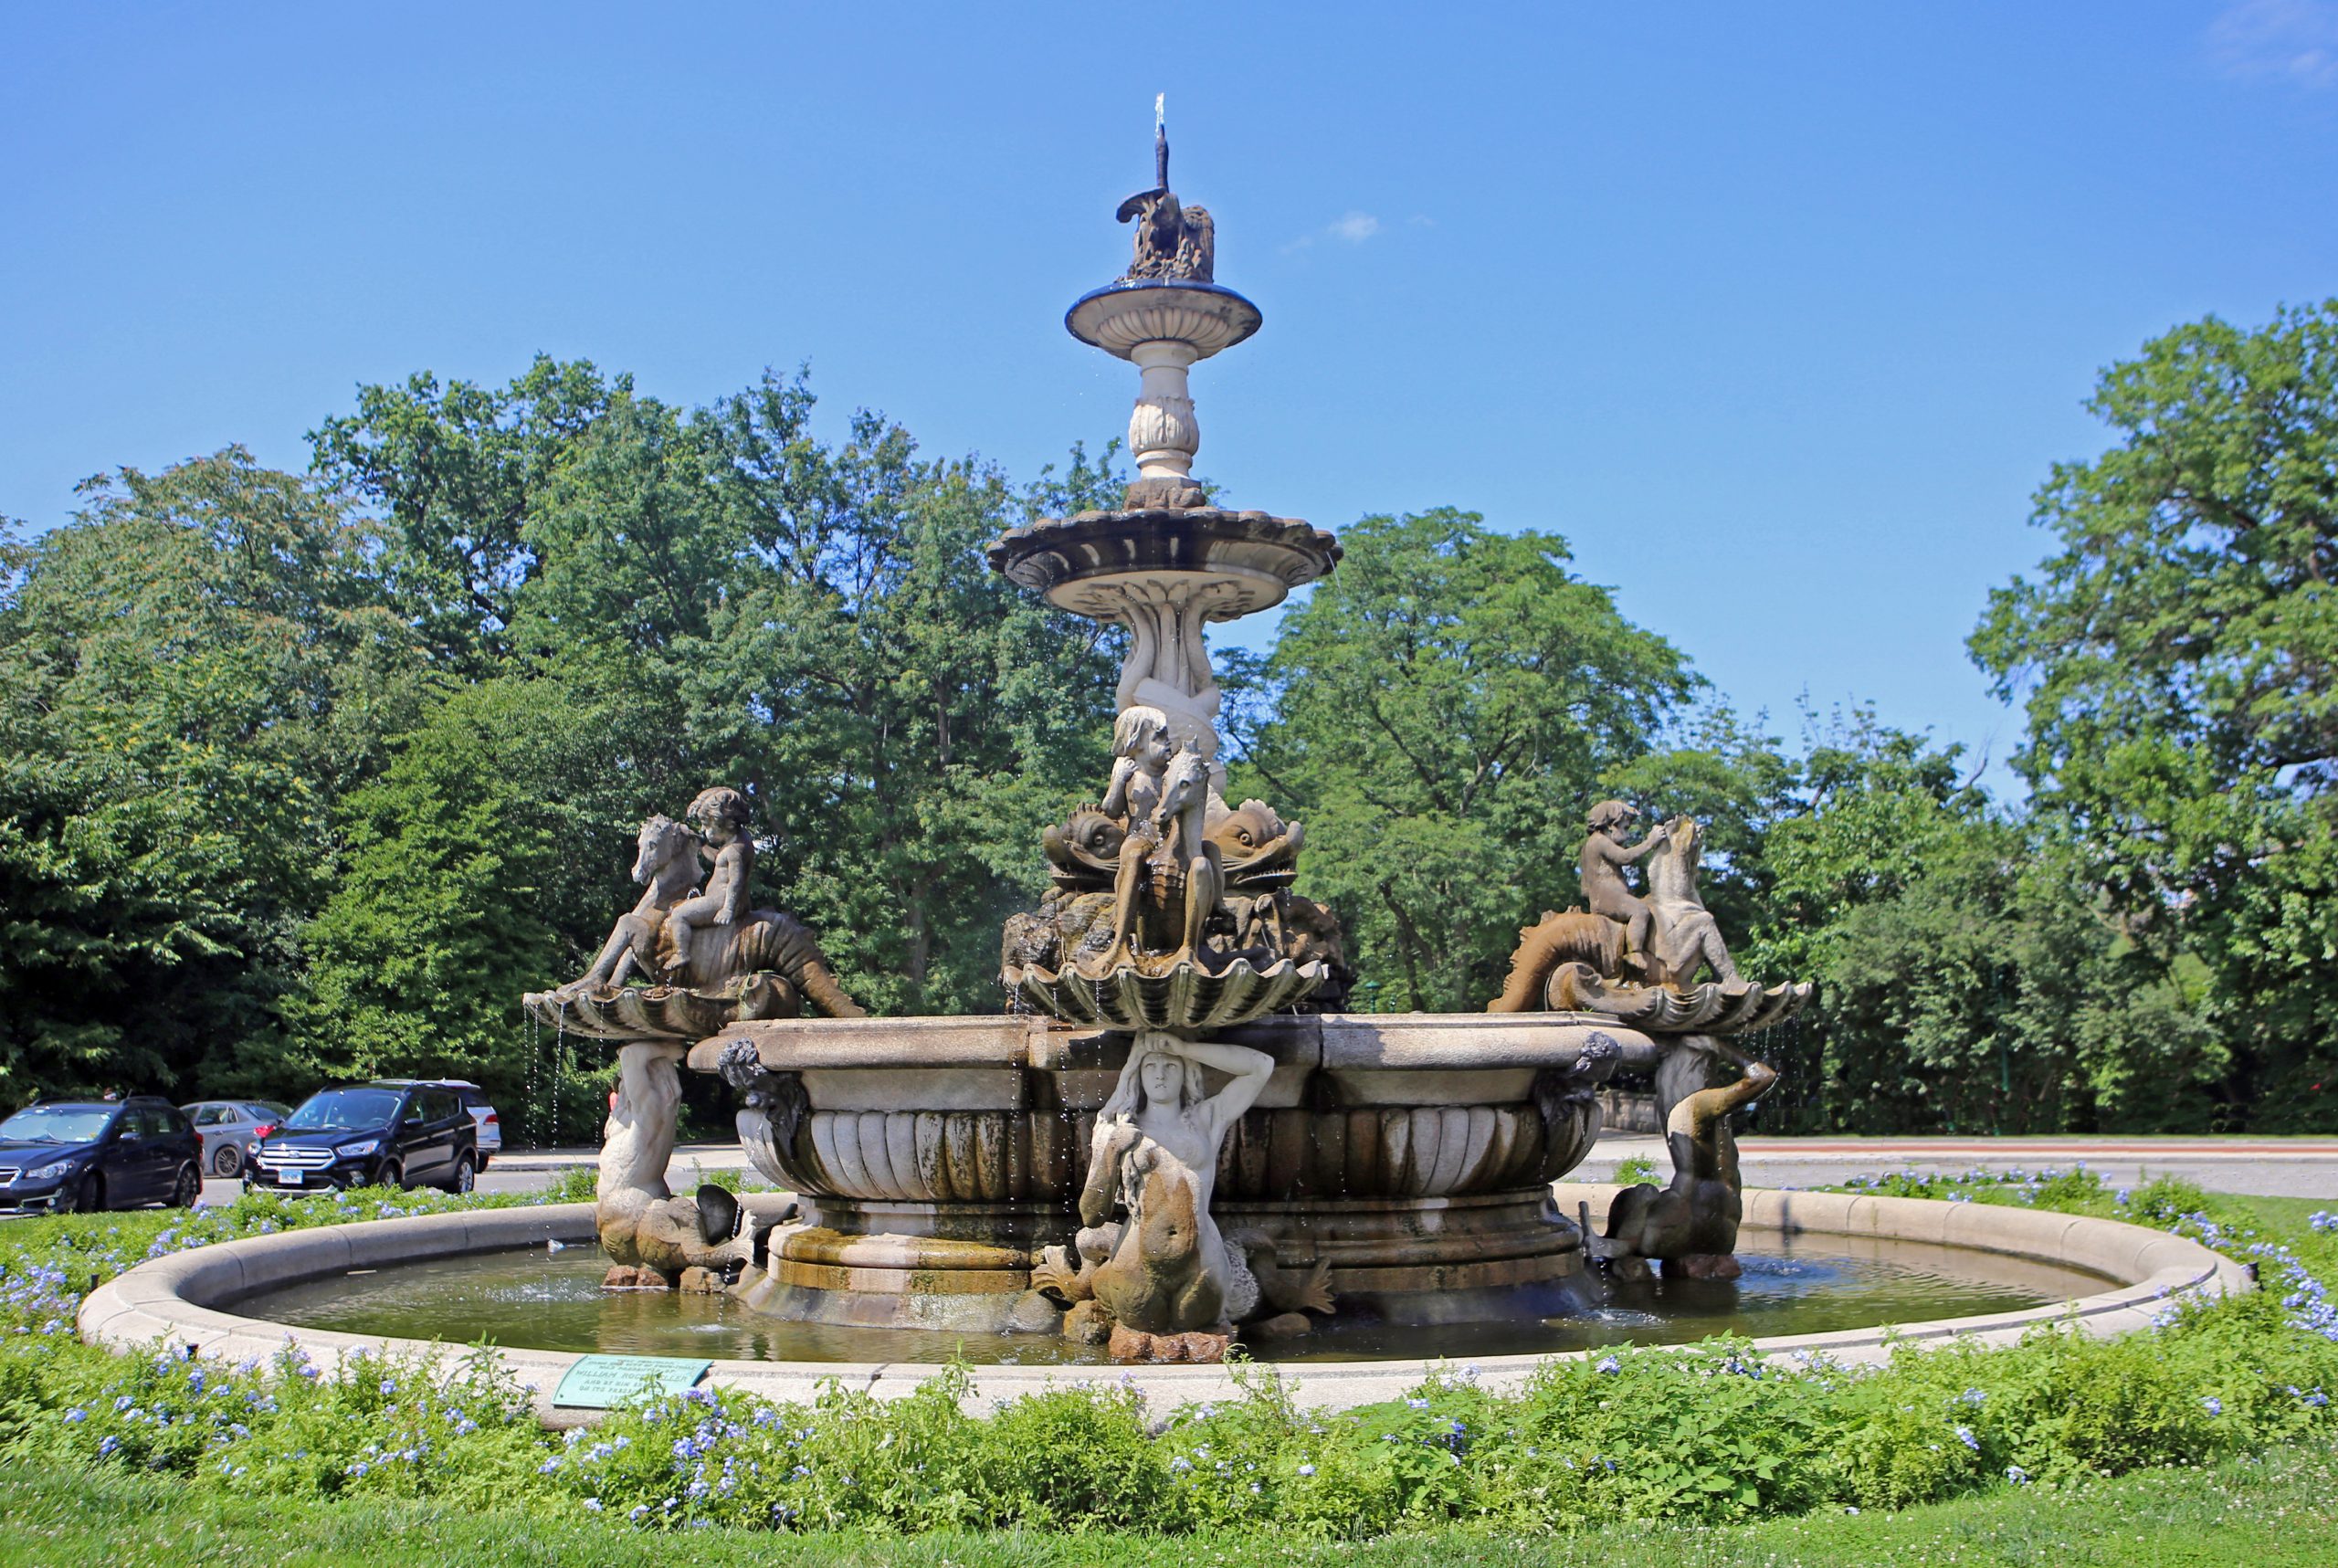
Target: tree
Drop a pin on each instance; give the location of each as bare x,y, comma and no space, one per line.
1443,710
477,866
2177,659
1968,980
719,596
455,470
192,668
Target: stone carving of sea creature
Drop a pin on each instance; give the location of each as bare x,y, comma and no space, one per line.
1690,1225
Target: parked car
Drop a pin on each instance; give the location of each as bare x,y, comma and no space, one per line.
72,1155
230,1127
483,1117
370,1134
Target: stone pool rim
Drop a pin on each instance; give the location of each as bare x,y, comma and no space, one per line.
176,1299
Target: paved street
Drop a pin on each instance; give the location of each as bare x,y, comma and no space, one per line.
2274,1167
2268,1167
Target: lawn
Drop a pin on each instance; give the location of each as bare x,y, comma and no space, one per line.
2272,1512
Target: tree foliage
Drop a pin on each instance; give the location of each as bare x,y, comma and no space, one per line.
2176,657
1443,708
193,667
313,776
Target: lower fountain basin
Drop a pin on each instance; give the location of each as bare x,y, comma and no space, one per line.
181,1299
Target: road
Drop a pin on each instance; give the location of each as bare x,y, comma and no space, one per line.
2271,1167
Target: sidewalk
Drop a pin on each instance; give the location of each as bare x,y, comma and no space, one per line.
2263,1167
707,1157
2271,1168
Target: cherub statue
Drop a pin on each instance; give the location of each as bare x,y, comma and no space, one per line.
720,816
1164,799
1602,861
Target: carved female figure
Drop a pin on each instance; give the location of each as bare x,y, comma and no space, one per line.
1141,756
1166,1270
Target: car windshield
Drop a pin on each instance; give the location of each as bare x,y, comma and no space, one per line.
58,1123
334,1110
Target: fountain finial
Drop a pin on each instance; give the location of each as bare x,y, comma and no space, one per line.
1161,140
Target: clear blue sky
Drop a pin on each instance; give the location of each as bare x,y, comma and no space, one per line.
1779,311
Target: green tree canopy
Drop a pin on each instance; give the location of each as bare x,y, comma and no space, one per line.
1443,710
189,670
2176,657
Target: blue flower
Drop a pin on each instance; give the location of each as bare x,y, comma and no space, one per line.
592,1503
2211,1404
109,1446
1609,1363
75,1414
1306,1469
2017,1474
1964,1435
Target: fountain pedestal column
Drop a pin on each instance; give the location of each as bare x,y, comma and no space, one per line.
637,1146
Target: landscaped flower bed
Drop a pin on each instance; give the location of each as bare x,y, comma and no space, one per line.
1714,1432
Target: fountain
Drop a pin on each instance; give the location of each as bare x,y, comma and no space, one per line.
1173,1138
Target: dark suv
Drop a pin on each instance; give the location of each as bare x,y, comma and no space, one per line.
78,1154
370,1134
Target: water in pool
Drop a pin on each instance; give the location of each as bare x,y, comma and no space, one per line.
554,1301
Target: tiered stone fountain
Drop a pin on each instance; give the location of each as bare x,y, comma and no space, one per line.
1174,1137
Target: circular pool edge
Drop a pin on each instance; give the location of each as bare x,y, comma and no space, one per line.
176,1299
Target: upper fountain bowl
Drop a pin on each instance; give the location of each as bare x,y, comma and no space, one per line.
1116,318
1082,562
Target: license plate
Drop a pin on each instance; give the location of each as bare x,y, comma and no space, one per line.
288,1178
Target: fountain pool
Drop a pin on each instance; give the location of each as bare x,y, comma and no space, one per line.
554,1301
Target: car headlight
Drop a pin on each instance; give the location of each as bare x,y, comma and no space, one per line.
362,1147
48,1173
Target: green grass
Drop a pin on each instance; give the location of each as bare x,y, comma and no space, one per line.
2272,1512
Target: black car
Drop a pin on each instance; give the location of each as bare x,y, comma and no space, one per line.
72,1155
370,1134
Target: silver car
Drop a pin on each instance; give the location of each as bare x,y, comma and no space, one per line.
229,1127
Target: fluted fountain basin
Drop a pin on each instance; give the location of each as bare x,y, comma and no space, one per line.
1409,1155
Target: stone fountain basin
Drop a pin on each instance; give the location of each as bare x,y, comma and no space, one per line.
1406,1153
185,1299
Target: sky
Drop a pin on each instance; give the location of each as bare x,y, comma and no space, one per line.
1779,313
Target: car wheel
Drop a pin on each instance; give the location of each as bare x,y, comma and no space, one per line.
227,1161
465,1176
393,1174
482,1165
187,1188
87,1197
